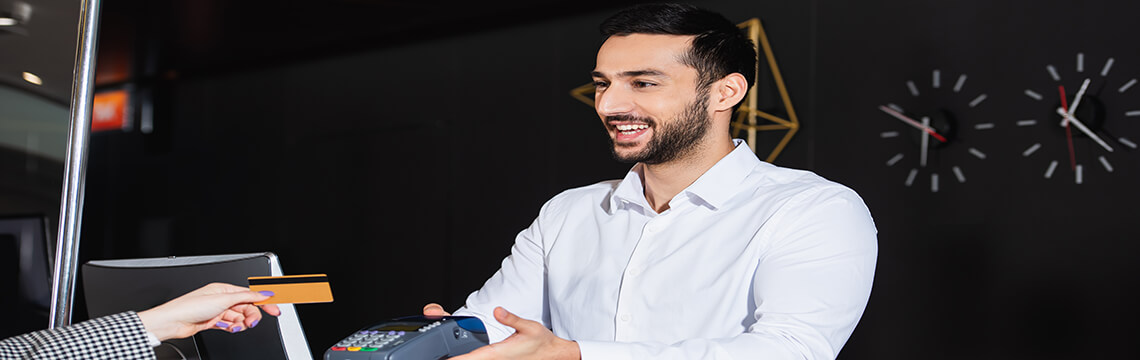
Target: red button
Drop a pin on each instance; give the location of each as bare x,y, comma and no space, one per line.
337,348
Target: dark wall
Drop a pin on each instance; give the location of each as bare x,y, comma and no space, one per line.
425,159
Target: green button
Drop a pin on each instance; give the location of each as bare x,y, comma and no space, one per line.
369,349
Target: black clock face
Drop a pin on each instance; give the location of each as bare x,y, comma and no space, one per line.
933,128
1080,120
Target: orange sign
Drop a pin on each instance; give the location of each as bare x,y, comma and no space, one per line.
110,110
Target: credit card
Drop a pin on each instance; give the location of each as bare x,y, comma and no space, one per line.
293,289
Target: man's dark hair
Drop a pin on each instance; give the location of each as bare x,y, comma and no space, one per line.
720,48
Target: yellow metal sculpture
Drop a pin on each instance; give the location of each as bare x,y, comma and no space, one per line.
748,116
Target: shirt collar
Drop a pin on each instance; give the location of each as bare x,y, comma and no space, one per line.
630,191
719,183
713,188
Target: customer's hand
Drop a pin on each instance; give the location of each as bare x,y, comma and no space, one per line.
214,306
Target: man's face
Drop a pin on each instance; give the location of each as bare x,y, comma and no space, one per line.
647,99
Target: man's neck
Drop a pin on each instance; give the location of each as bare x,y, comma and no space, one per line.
664,181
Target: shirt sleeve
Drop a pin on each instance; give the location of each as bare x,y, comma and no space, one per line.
517,286
118,336
811,287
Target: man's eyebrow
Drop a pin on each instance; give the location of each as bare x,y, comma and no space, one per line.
631,73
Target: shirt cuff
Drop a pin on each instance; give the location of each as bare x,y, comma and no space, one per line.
152,340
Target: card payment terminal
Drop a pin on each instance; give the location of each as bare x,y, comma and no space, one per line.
412,338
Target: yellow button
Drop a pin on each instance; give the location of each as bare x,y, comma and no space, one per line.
354,348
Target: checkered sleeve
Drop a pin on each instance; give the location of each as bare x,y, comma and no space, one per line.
119,336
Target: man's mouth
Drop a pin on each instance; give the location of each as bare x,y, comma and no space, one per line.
631,129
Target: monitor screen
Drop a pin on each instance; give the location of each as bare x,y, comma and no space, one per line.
25,274
114,286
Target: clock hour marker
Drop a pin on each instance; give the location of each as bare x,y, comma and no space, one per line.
978,100
1132,113
913,89
1104,162
1031,149
1032,94
910,177
1127,142
958,174
896,107
984,126
1053,73
933,182
978,153
1080,174
1127,86
1107,67
925,142
936,82
961,81
1026,122
889,134
1080,62
894,159
1049,171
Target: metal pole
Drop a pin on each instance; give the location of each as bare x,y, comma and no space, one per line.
71,203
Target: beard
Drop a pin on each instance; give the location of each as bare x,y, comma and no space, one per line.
672,140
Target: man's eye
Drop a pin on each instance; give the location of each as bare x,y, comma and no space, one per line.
600,84
643,84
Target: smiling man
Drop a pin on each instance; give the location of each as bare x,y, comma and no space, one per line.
702,251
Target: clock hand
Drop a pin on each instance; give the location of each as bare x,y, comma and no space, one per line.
1072,119
1065,123
911,122
1076,101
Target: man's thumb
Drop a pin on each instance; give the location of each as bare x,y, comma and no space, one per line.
506,317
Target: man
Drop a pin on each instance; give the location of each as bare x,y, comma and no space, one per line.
702,250
131,335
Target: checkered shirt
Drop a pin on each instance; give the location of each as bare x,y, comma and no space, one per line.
119,336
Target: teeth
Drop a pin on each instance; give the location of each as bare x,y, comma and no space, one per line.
632,127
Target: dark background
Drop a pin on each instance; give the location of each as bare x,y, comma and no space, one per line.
358,138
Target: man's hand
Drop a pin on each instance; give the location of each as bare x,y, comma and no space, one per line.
531,340
215,305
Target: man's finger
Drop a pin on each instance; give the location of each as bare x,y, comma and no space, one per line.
434,309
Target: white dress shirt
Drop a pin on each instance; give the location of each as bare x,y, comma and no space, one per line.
751,261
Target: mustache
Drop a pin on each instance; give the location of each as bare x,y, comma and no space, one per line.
646,120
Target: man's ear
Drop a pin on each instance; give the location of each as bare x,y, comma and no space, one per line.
728,92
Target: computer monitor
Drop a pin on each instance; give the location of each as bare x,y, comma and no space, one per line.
25,274
114,286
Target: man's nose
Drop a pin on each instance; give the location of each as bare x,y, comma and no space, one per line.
613,101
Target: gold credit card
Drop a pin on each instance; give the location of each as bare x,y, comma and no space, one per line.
293,289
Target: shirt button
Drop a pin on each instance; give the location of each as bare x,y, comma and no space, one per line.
633,271
626,317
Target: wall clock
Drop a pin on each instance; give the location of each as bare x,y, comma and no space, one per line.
932,129
1077,122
